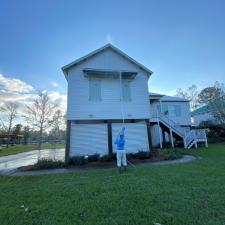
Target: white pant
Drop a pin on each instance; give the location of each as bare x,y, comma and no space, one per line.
121,158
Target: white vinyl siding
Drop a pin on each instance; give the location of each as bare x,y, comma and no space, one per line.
179,112
81,108
88,139
94,90
135,135
126,92
172,110
165,109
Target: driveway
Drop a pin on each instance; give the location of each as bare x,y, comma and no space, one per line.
11,162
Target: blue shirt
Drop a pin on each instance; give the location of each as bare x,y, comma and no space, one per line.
120,142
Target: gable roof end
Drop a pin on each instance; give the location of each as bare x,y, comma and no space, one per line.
118,51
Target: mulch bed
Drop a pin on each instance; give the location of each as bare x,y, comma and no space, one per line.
97,164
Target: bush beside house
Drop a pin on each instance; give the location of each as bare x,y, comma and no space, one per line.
96,160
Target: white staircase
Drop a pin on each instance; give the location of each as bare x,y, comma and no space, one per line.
190,137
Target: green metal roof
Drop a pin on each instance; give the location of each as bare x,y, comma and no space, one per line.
206,108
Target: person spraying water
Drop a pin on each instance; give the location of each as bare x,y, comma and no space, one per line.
121,152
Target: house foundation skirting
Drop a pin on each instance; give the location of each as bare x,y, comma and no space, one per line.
109,124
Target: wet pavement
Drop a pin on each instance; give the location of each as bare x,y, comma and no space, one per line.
12,162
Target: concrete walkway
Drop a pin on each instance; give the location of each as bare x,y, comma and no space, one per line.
9,164
184,159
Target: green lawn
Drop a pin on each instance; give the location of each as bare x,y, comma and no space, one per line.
25,148
185,194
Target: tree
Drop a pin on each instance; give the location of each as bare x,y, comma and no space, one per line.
40,114
212,93
219,111
191,94
215,97
17,129
9,113
26,134
16,132
57,122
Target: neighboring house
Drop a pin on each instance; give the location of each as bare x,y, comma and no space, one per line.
204,114
99,100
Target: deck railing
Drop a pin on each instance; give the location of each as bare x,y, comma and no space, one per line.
189,136
200,134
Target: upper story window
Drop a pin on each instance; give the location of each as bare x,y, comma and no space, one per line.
172,110
94,90
126,93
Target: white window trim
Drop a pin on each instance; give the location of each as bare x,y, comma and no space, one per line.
100,98
130,95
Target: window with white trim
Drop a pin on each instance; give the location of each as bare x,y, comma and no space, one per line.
94,90
126,92
172,110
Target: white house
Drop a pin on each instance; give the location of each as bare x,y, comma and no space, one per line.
205,113
201,115
107,87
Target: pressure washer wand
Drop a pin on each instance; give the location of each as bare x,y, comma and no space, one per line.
131,163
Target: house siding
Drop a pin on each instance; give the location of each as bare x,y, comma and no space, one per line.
184,119
197,119
79,106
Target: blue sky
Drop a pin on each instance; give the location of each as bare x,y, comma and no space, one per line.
182,42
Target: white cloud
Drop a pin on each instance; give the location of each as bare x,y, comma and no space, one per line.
14,90
22,93
62,98
55,84
14,85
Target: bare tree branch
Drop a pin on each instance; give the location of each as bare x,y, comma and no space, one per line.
40,113
191,94
9,114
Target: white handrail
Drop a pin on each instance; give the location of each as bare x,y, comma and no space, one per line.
190,137
176,127
200,134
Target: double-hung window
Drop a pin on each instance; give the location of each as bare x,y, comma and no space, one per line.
172,110
94,90
126,92
178,110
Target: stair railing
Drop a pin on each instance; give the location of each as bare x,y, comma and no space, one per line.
200,134
176,127
189,138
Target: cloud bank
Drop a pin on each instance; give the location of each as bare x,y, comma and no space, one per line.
22,93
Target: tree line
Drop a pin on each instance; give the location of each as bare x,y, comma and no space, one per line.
42,115
213,95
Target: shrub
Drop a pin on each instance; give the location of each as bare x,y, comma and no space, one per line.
48,164
113,155
166,144
155,152
78,160
130,156
93,158
170,154
142,155
216,134
106,158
